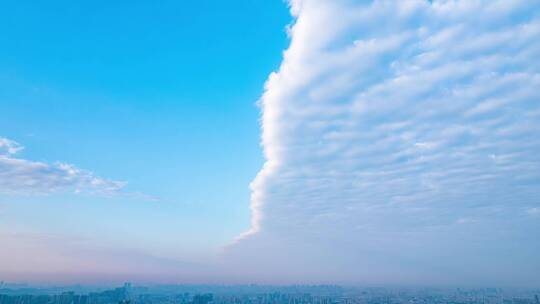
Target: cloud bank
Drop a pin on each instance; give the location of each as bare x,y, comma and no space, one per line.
21,176
401,145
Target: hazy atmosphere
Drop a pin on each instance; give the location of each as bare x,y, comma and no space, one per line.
263,141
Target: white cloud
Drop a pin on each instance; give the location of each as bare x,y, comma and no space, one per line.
388,123
9,147
21,176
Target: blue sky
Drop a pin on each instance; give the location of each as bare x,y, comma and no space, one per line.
395,142
161,96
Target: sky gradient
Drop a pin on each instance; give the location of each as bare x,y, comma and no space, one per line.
398,142
157,102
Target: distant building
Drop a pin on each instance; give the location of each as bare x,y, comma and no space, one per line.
203,299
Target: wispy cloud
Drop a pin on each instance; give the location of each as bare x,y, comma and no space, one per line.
9,147
534,212
22,176
388,126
